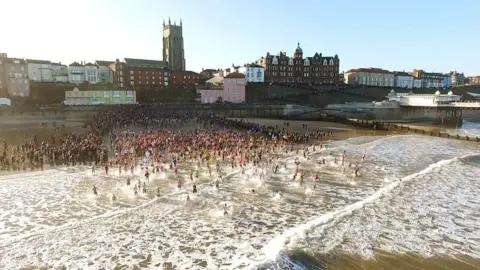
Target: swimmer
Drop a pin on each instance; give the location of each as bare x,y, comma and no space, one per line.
158,192
356,172
95,190
128,181
188,197
114,198
135,190
225,210
252,191
217,184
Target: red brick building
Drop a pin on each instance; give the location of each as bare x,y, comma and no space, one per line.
120,75
318,69
184,79
139,74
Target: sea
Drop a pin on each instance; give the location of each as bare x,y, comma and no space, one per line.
414,205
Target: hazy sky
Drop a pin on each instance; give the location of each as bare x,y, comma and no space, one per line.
397,35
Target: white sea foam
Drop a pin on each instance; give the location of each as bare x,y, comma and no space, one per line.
52,219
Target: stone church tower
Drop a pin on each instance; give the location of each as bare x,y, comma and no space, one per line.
173,51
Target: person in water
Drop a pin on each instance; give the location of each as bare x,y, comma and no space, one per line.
158,192
128,181
217,184
114,198
95,192
194,188
225,212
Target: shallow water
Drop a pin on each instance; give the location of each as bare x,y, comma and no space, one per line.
414,194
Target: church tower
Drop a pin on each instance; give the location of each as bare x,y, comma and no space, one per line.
173,51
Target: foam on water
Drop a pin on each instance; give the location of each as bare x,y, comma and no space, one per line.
52,219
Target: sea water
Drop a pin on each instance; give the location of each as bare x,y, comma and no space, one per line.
413,194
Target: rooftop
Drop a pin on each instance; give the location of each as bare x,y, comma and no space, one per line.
369,70
104,63
235,75
33,61
75,64
145,63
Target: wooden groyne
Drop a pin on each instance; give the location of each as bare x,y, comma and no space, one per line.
434,132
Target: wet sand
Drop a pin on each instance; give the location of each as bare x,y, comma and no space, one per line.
339,131
385,260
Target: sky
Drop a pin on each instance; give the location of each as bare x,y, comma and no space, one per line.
437,36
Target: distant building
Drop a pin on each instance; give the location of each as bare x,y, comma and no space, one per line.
210,95
253,73
208,73
16,77
370,77
173,49
318,69
112,97
91,73
40,70
105,74
457,78
184,79
473,80
121,76
60,72
76,73
447,81
234,87
403,80
417,83
429,79
146,74
3,82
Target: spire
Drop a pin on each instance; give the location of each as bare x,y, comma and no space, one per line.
169,22
163,22
174,22
180,22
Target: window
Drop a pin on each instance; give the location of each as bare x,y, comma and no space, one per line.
131,72
166,83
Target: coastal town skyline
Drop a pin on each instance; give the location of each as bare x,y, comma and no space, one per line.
207,41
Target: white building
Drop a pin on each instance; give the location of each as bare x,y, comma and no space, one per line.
39,70
91,73
403,80
412,99
105,74
76,73
370,77
253,73
417,83
59,72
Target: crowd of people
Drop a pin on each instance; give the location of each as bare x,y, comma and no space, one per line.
197,135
